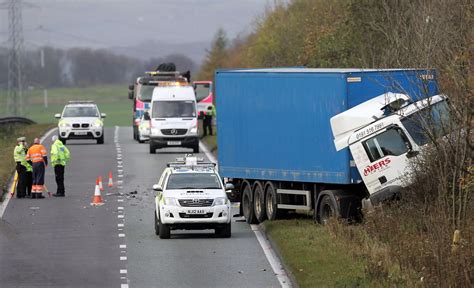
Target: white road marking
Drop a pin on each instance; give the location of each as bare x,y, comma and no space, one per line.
123,246
119,166
121,235
124,286
3,205
120,187
120,225
272,258
123,258
120,208
120,171
123,271
119,182
119,216
120,200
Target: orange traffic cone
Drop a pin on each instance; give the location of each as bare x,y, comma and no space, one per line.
101,187
111,182
97,200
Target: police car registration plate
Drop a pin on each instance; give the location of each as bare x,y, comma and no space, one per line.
174,143
195,211
80,133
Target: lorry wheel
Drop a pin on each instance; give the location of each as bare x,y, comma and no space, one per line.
327,209
164,230
271,206
101,139
157,225
259,202
152,148
224,231
247,205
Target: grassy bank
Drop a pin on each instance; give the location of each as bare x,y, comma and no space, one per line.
8,136
112,100
314,256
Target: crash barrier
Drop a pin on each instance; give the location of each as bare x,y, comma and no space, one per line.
16,120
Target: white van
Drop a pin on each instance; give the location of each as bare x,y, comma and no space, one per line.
174,121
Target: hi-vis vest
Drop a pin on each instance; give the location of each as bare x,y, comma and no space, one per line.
59,153
36,153
19,155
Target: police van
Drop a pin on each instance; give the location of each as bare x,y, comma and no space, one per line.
190,194
174,121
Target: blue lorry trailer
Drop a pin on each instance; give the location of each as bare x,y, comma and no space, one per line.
274,136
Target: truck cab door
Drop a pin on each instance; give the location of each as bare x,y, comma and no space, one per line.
385,161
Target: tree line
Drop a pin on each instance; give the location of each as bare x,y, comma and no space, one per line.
49,67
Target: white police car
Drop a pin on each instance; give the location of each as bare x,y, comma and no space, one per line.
190,194
81,120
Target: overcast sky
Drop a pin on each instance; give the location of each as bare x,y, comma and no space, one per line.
106,23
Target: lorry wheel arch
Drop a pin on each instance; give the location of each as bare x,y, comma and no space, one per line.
259,201
247,203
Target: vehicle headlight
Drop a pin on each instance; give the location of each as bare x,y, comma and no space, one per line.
193,130
64,124
171,201
220,201
97,124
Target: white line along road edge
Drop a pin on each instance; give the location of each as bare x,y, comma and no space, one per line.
3,205
262,240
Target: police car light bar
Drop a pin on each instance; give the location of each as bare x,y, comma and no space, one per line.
82,102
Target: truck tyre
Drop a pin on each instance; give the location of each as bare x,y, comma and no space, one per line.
259,202
164,230
157,225
224,231
271,205
247,205
101,139
152,148
327,209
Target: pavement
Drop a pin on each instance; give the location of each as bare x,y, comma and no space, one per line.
66,242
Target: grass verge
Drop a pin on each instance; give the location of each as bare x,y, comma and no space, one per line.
8,136
314,256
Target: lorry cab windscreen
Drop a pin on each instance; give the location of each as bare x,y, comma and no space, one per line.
193,181
429,123
202,91
173,109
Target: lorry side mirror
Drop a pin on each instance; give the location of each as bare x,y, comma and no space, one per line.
130,95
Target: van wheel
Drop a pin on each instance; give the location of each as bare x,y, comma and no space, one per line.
157,224
327,210
152,148
224,231
164,230
259,202
247,205
271,206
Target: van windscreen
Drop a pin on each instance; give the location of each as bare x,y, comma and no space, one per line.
173,109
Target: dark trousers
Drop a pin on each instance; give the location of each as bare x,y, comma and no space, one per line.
59,172
29,182
207,125
21,185
38,173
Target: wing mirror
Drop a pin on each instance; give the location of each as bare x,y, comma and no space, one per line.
412,153
157,188
131,87
57,116
130,95
103,115
146,116
229,186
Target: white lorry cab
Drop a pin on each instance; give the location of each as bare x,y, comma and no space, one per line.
383,134
190,194
174,121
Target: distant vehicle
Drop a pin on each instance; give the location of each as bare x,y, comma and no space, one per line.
140,92
204,96
190,194
81,120
144,127
327,140
174,120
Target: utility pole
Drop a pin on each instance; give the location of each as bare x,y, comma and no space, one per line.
15,39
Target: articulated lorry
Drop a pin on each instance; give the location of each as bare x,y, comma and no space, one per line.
328,140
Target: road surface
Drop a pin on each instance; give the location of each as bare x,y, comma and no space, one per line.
66,242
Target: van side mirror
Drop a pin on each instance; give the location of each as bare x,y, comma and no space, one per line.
157,188
57,116
146,116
